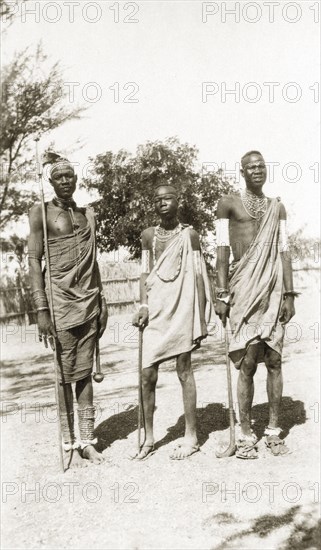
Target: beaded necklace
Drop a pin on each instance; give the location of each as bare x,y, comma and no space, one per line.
164,235
254,205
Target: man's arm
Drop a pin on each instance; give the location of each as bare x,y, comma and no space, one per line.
287,308
195,241
140,318
103,310
223,257
35,254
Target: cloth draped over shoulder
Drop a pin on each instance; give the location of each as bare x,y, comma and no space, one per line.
174,315
256,285
74,276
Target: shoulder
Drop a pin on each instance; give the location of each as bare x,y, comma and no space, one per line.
282,211
225,205
35,209
195,240
147,237
35,213
87,210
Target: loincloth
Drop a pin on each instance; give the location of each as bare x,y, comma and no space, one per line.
258,349
75,351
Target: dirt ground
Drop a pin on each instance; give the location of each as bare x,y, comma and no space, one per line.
200,503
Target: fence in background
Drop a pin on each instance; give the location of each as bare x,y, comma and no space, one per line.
121,287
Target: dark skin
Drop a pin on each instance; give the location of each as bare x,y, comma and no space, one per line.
59,224
243,229
166,206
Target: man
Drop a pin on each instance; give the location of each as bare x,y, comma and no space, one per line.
79,306
260,295
174,292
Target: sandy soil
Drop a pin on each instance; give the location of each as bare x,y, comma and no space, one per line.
202,502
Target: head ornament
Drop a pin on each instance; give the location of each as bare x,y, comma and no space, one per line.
56,161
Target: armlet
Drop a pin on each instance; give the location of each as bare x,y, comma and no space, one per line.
222,232
283,237
145,261
197,261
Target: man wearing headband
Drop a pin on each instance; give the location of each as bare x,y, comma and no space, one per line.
174,294
256,292
80,311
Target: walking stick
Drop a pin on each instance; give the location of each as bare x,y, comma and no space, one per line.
47,261
140,391
231,448
98,375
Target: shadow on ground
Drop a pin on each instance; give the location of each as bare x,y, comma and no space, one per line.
292,413
303,536
118,426
212,418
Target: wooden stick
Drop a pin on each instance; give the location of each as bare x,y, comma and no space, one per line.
50,296
140,390
98,375
231,448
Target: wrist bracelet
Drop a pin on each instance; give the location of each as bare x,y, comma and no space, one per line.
219,295
292,293
40,299
226,300
42,308
221,290
143,305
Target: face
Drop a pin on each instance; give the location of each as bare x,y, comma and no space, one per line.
254,172
64,180
166,202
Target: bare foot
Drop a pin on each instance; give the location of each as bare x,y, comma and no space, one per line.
184,450
146,451
72,459
90,453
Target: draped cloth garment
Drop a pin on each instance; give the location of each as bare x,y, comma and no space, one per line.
256,285
174,316
74,276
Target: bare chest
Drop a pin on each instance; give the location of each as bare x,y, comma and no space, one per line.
244,227
63,222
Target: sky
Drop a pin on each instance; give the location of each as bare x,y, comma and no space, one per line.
154,69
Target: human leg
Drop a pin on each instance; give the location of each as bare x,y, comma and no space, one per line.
65,349
274,386
245,387
149,381
187,380
246,443
86,418
86,337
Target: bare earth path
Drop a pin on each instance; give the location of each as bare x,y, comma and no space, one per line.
202,502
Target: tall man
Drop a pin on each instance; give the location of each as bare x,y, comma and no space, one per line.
80,311
174,293
259,298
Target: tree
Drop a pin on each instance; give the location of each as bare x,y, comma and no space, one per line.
126,183
33,102
14,250
304,251
8,9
